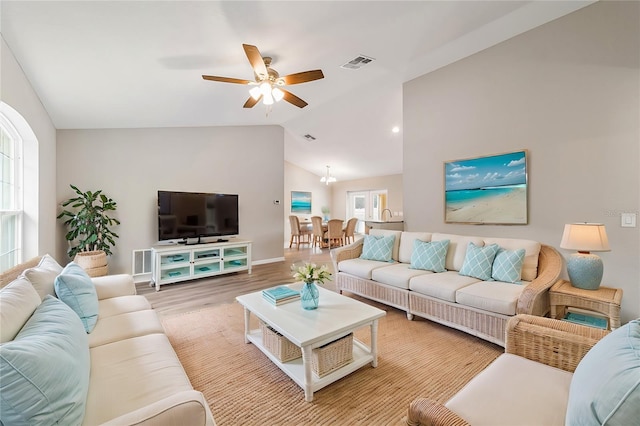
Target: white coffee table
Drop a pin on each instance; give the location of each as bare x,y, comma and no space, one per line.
336,316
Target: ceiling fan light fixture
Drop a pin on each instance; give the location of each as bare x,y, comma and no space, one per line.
267,99
277,94
255,92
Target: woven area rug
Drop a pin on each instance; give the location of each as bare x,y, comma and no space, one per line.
242,386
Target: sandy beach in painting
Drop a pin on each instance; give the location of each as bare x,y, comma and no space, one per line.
501,208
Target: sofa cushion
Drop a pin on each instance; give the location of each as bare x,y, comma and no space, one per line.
442,285
406,244
360,267
514,391
18,301
396,275
378,248
478,261
606,384
531,254
457,248
122,305
45,370
396,243
507,266
493,296
74,287
132,374
125,326
44,275
430,256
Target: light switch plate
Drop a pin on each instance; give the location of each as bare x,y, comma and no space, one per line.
628,220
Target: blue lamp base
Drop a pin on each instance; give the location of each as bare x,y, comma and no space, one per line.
585,270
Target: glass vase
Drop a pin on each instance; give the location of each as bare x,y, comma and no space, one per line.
309,296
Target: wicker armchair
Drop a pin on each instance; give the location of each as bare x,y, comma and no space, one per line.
548,341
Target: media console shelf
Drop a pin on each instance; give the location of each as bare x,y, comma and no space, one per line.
176,263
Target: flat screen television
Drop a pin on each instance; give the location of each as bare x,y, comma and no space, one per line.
188,215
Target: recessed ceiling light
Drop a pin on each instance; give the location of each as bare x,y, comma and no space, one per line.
396,129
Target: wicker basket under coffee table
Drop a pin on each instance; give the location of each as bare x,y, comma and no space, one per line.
320,334
604,300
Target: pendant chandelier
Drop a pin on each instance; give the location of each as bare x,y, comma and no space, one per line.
327,178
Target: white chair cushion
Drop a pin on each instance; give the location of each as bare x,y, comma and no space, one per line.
492,296
531,254
442,285
406,244
457,248
125,326
116,369
360,267
122,305
514,391
397,275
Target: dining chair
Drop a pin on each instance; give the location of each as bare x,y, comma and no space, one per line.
350,230
298,235
317,233
335,234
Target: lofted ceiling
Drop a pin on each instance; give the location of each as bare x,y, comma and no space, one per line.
136,64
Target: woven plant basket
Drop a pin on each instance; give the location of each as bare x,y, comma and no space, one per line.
93,262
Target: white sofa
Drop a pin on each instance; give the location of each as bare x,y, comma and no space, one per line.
475,306
53,370
552,373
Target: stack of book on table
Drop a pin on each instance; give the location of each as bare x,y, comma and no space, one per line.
281,294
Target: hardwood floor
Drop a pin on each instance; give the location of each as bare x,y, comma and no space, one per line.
193,295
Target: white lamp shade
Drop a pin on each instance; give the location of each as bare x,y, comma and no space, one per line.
585,237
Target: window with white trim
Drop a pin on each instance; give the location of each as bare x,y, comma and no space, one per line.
10,195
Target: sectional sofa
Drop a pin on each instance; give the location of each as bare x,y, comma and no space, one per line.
80,350
450,285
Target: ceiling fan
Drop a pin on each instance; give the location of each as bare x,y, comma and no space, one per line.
268,83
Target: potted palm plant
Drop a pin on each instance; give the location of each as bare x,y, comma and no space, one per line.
90,235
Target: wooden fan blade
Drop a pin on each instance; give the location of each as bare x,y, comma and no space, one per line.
251,102
226,79
302,77
256,60
293,99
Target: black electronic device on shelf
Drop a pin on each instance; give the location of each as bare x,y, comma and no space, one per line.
191,216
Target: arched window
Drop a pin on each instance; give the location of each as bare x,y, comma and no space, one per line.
11,195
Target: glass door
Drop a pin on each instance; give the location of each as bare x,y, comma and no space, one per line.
366,205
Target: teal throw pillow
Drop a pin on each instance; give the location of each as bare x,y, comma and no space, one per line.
429,255
45,369
478,261
507,266
605,388
378,247
75,288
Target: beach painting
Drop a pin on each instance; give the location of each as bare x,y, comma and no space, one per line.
300,202
487,190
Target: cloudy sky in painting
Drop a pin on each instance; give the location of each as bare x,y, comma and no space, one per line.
496,170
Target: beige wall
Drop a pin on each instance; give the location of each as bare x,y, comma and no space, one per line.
131,165
568,92
40,156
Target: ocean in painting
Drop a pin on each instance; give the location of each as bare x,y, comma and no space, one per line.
300,202
465,196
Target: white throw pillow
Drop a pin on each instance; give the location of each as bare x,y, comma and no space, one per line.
18,301
44,275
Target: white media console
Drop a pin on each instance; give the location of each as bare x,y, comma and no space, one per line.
176,263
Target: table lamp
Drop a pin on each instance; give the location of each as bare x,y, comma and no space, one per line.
585,269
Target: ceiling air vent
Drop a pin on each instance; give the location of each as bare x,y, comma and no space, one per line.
357,63
309,137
